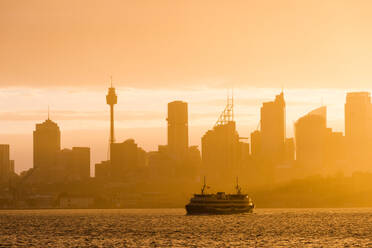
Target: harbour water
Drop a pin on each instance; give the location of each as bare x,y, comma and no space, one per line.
172,228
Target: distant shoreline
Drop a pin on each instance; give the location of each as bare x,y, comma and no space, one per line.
343,207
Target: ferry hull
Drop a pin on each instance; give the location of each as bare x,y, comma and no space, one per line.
200,209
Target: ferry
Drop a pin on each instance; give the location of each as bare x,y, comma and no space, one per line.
220,203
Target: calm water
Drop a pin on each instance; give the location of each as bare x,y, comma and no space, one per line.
172,228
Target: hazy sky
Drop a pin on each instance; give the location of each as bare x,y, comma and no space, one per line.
186,43
62,53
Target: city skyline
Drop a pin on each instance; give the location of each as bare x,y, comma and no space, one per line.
121,118
247,106
184,50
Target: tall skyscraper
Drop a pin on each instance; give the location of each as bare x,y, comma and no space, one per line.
221,152
273,130
357,112
358,131
47,143
310,134
222,149
178,130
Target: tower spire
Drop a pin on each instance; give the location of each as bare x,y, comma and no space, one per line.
111,100
48,113
232,103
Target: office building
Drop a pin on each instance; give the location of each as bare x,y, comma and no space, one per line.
310,134
126,156
358,131
220,151
72,164
178,130
273,130
47,143
256,144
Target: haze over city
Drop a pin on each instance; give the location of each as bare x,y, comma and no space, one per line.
159,52
141,114
185,123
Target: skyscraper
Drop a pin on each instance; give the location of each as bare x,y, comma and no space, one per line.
222,149
221,152
178,130
310,133
273,130
47,143
358,131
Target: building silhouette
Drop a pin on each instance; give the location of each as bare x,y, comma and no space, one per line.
160,165
126,156
6,165
101,171
310,134
72,164
336,153
53,164
176,161
81,158
319,150
47,143
256,145
358,131
273,130
178,130
222,148
220,151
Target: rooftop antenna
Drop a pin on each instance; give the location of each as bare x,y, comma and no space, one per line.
232,103
237,187
48,113
204,187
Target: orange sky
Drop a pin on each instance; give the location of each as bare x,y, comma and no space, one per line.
62,53
171,43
